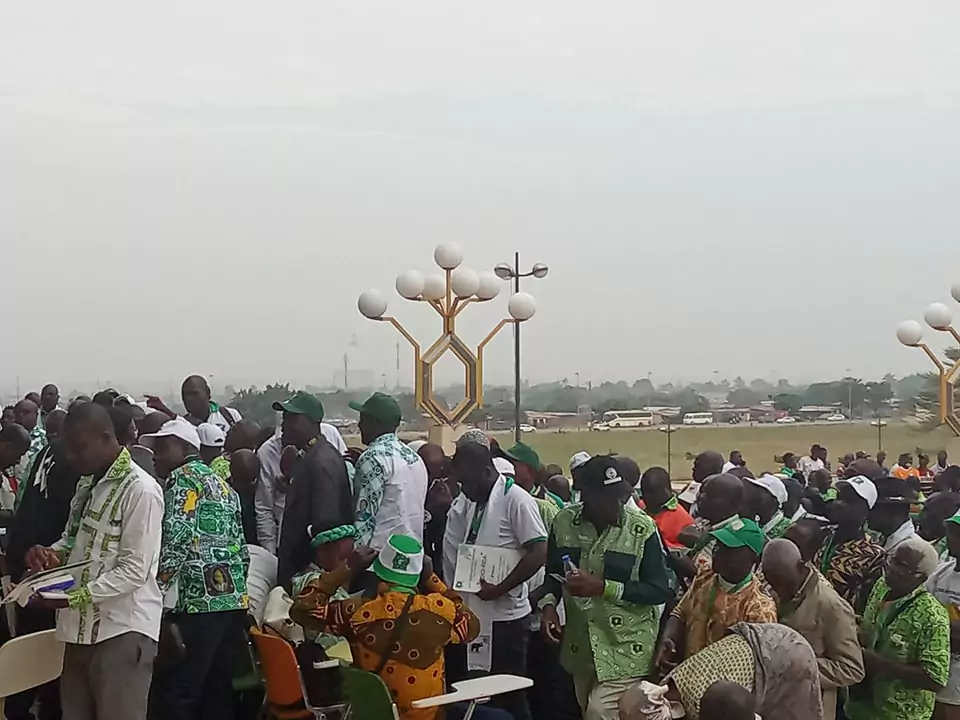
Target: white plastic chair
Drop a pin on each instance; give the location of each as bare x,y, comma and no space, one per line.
29,661
477,690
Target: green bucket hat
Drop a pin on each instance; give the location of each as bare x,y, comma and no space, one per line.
523,453
302,403
741,533
400,562
381,407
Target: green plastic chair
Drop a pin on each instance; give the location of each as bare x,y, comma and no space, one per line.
368,696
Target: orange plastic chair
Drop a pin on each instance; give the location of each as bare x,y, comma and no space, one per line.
286,696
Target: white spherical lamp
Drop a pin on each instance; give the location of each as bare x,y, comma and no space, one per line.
372,304
540,270
488,285
522,306
955,291
910,332
464,282
938,316
448,256
410,284
434,287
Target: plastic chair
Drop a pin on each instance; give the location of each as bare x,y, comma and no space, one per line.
368,696
476,691
286,697
29,661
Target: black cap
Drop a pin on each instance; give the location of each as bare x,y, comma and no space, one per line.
601,471
894,491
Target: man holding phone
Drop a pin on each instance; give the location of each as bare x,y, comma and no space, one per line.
614,577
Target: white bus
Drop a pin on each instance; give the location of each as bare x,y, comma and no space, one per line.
625,419
699,418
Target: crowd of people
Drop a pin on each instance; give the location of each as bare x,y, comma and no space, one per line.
810,591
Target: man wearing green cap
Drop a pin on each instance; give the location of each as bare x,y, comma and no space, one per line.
527,472
719,598
319,494
400,633
390,479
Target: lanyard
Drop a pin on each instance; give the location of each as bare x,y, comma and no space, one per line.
889,614
712,601
475,524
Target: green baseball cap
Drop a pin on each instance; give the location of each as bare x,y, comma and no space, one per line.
741,533
523,453
954,519
302,403
380,407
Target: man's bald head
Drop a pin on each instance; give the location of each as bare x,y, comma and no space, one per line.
725,700
706,464
784,568
434,458
244,470
151,423
866,467
720,497
54,423
242,436
26,413
14,442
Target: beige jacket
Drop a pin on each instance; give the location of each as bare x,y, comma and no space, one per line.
828,623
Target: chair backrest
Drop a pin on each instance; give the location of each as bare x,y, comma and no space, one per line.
30,660
279,667
368,696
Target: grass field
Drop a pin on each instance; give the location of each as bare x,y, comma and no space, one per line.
758,444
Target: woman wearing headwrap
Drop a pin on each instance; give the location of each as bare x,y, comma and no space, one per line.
772,661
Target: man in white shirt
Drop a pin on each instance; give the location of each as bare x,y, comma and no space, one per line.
261,579
493,511
891,515
390,483
196,397
271,491
110,620
816,460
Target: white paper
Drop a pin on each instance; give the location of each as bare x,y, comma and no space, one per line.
480,652
479,561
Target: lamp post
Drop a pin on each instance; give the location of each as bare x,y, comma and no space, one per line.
879,425
505,271
448,294
669,430
939,317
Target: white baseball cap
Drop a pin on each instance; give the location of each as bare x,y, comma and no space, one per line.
210,435
178,427
864,487
772,485
579,460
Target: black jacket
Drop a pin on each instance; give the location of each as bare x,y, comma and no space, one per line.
42,513
319,495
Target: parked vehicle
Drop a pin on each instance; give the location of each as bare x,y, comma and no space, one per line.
698,418
837,417
786,420
627,418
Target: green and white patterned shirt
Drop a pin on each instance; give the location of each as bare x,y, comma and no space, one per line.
115,523
390,487
615,633
203,545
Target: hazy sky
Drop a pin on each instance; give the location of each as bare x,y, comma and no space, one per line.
758,188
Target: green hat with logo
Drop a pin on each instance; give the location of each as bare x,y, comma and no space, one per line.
380,407
741,532
400,562
302,403
523,453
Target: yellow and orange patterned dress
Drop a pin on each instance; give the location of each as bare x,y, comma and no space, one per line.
434,620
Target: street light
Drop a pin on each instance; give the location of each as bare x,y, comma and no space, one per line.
669,430
910,333
505,271
448,294
879,425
